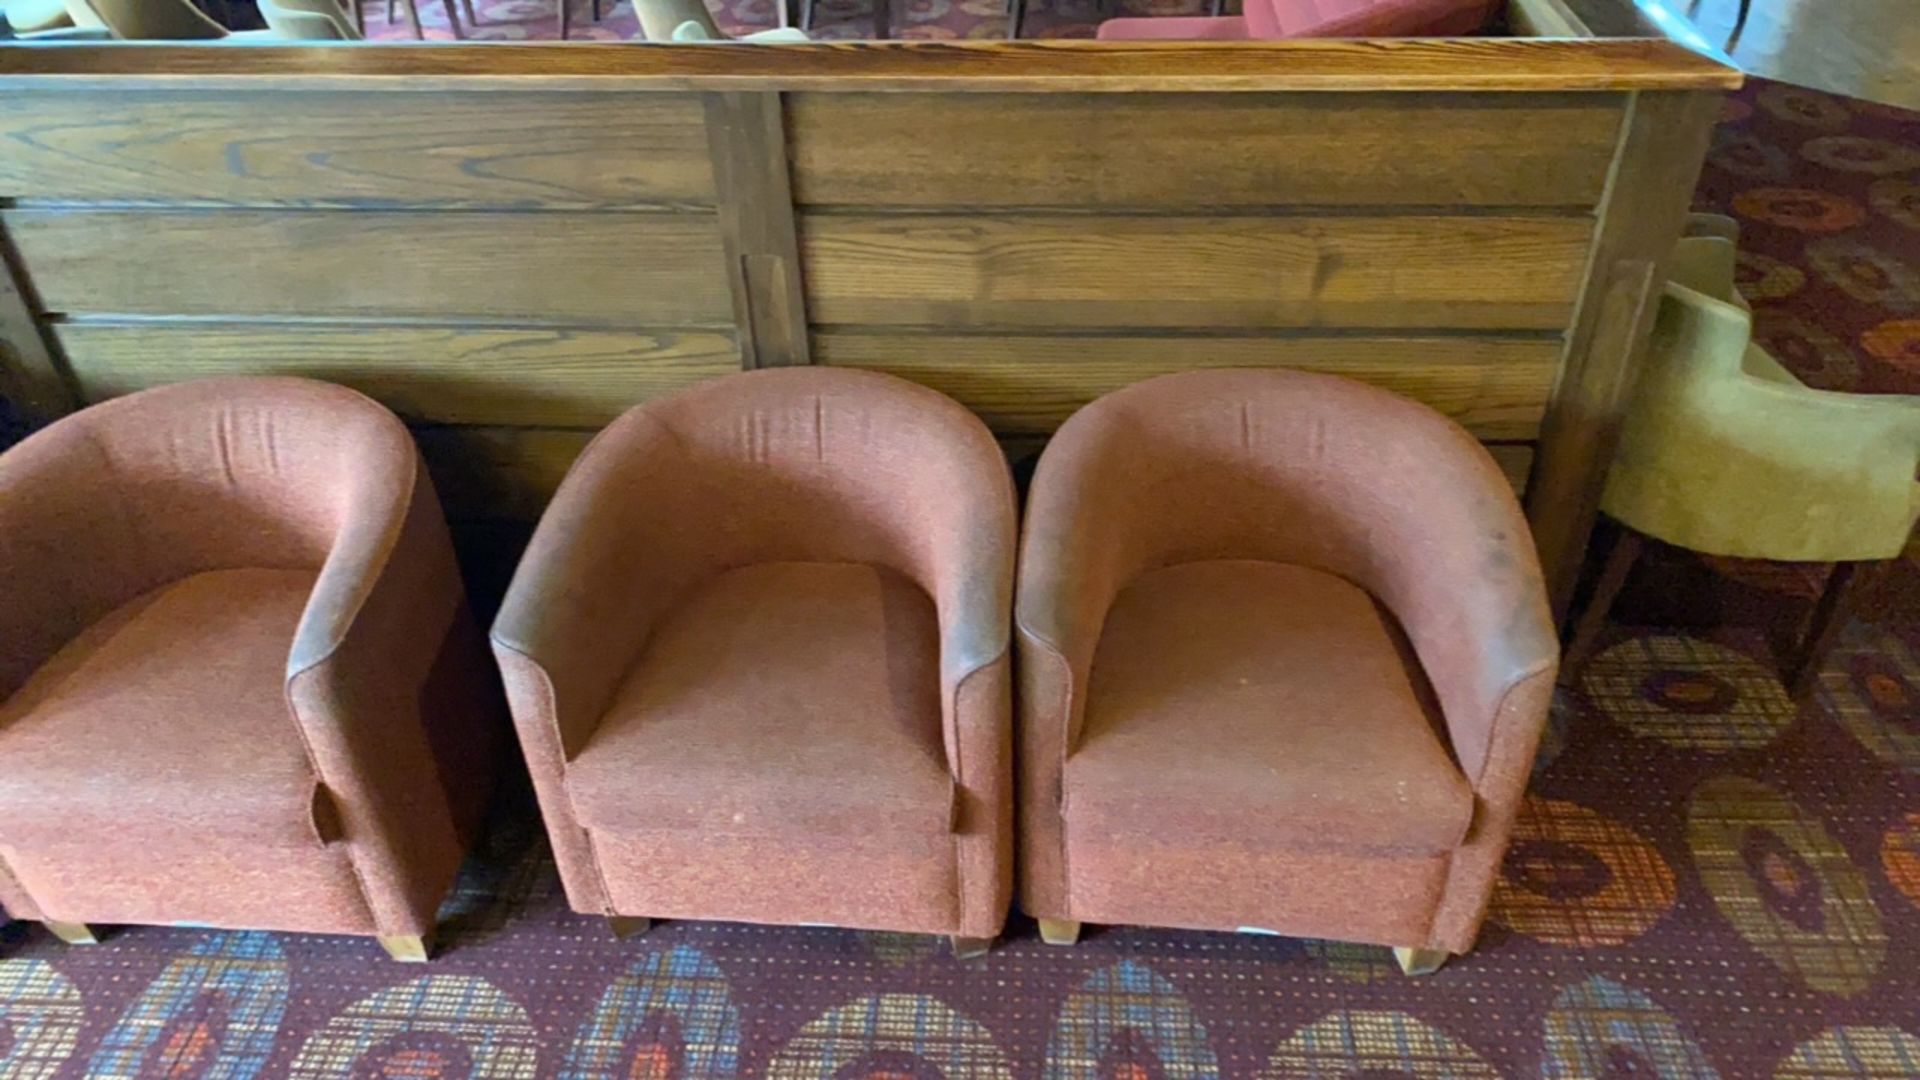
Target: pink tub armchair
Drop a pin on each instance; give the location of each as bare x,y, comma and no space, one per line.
757,656
239,684
1284,660
1277,19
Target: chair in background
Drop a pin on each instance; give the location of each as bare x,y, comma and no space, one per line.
757,656
180,20
31,17
308,20
689,20
1279,19
241,687
1724,452
148,20
1285,657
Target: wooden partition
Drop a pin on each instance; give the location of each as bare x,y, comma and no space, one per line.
510,245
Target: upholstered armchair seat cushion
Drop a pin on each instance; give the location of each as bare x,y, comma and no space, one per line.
1264,705
165,723
786,698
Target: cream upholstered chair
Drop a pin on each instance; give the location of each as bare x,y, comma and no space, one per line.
29,17
1724,452
689,21
148,20
308,20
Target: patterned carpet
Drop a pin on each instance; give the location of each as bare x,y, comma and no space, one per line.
525,20
1708,883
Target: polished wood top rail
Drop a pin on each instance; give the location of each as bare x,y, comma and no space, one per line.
1473,64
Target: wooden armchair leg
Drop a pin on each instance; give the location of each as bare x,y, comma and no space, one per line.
970,948
1420,961
453,20
408,949
413,17
626,926
1059,931
73,933
1846,585
1621,559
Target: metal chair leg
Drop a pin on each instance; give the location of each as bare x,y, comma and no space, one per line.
1846,584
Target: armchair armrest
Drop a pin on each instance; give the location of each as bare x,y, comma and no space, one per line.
619,543
366,686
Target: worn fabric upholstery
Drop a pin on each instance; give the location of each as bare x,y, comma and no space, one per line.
1318,594
241,686
757,656
1278,19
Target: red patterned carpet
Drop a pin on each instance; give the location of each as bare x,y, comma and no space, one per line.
523,20
1709,882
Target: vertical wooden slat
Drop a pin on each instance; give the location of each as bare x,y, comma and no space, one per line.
1663,141
31,375
748,136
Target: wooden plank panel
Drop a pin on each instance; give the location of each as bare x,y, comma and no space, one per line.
1496,387
1318,64
1032,270
357,148
1218,150
31,375
627,268
757,227
1516,461
510,474
498,473
1661,150
444,375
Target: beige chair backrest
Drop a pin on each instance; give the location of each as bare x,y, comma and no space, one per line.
308,20
659,19
146,20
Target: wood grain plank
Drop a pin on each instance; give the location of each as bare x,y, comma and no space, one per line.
357,148
1516,461
1022,385
1156,150
32,376
445,375
1661,150
1031,270
747,133
1486,63
626,269
498,473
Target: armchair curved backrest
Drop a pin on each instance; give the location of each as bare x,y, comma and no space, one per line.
207,475
147,20
1294,468
800,464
